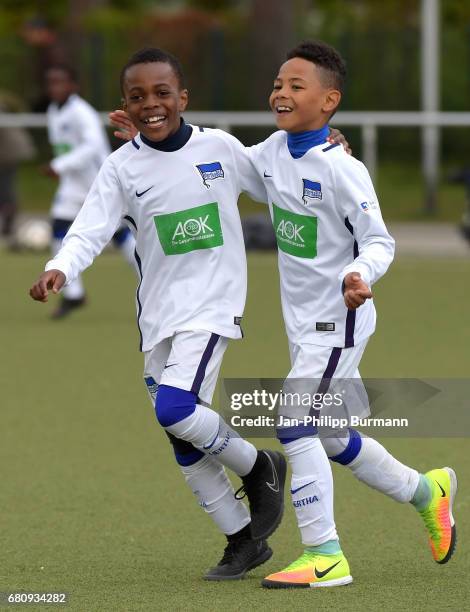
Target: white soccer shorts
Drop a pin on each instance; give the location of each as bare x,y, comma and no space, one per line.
189,360
326,372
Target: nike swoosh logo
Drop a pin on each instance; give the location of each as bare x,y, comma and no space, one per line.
267,175
443,493
142,192
213,441
293,491
274,485
170,365
320,573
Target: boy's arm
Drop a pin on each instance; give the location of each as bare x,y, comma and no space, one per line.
91,141
337,137
360,207
249,178
92,229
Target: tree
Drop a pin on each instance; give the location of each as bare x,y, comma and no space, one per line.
272,36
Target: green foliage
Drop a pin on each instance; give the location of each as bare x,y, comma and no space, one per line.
215,40
212,5
112,19
52,13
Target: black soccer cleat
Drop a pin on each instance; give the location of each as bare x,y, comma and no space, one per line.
264,488
66,306
240,556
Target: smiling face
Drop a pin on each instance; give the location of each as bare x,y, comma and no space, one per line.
301,100
154,99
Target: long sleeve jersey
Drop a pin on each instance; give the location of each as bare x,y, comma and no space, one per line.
327,222
182,207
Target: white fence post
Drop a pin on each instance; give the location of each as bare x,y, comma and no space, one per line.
369,149
430,18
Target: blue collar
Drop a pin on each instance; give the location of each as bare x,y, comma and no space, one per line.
172,143
300,142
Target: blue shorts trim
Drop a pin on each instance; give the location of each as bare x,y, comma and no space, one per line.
121,236
201,370
60,227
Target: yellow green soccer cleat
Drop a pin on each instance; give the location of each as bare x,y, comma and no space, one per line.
311,570
438,517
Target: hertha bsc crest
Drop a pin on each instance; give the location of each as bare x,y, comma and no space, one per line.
210,172
311,191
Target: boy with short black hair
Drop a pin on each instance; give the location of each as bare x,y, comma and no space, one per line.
332,246
177,186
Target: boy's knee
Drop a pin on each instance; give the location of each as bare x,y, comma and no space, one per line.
185,453
173,405
343,448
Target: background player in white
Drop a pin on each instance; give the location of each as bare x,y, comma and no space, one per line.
80,146
178,186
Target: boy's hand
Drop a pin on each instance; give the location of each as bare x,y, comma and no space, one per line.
336,137
126,129
51,280
47,170
356,292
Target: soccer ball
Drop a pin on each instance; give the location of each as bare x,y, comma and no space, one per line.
34,235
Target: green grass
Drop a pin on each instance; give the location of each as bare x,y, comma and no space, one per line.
399,187
35,190
93,504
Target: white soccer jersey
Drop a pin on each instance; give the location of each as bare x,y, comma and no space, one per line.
80,146
328,223
182,206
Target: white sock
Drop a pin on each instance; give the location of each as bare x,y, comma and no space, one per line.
312,490
376,467
211,486
208,432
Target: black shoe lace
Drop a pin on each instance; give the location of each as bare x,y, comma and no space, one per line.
240,493
253,489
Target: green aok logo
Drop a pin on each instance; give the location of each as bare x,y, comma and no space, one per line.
190,230
295,234
61,148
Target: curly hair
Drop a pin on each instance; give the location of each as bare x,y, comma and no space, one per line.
333,66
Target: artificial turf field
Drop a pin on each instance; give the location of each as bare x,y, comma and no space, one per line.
93,504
